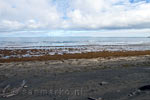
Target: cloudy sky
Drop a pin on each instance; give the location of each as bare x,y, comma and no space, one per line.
75,18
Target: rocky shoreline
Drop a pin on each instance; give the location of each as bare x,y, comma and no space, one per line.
42,55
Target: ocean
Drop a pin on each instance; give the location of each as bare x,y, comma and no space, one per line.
68,45
62,42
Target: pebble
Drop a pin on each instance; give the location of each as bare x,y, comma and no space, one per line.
103,83
90,98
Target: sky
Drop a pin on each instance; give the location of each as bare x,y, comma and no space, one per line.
104,18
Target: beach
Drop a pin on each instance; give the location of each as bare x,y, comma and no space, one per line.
74,69
18,55
74,49
88,76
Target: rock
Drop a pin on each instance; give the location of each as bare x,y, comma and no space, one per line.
90,98
25,86
103,83
145,88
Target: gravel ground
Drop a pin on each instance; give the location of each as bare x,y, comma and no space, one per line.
78,79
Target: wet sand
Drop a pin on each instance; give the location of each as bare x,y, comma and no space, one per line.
107,76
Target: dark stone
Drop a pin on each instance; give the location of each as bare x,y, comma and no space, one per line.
91,98
145,88
103,83
94,98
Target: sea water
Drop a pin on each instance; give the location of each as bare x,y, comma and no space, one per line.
69,45
89,43
75,42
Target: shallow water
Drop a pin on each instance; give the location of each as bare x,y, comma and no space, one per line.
61,42
61,45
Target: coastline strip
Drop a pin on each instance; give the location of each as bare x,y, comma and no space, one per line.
88,55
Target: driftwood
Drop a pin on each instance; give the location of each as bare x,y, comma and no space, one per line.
13,92
140,90
134,93
4,90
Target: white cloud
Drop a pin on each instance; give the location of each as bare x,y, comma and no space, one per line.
79,15
12,25
109,14
31,13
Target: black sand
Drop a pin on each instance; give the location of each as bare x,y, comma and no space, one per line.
58,81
